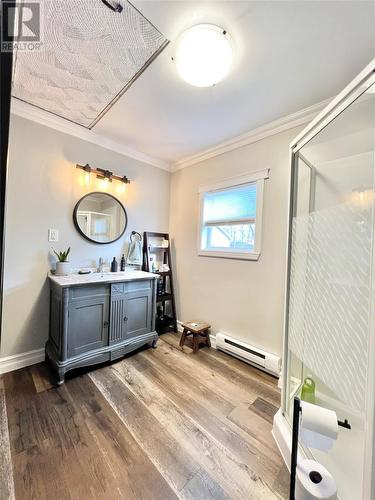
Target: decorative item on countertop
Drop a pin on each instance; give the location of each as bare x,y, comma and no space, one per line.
84,271
122,264
308,390
134,257
114,265
62,265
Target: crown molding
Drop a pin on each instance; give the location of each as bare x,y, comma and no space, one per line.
33,113
275,127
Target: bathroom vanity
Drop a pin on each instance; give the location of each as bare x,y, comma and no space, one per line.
99,317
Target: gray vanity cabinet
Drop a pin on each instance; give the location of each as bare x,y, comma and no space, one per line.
131,310
93,323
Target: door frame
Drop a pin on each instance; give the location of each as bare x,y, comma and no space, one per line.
6,66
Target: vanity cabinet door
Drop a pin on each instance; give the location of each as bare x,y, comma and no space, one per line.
88,324
138,307
131,310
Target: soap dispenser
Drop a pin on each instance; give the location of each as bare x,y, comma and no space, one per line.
114,265
122,265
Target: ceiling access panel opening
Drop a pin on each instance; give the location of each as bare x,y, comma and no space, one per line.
88,57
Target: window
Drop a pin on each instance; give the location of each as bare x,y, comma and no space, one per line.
231,217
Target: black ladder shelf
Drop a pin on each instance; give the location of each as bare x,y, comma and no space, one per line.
166,309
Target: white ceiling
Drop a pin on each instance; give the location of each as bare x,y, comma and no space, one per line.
288,55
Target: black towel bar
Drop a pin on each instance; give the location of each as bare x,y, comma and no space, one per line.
133,233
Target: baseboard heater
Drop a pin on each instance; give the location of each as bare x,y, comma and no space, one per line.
264,360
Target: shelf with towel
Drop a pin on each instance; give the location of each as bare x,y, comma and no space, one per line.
164,273
158,244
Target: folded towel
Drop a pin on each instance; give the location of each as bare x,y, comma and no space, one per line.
134,257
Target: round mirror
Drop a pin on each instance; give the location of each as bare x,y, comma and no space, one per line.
100,218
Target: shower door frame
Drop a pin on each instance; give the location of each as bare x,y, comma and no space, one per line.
350,94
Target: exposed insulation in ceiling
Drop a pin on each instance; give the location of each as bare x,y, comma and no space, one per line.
89,56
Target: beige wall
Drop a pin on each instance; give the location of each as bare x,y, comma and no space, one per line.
43,187
242,298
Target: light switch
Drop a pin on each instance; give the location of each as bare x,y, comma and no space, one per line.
53,235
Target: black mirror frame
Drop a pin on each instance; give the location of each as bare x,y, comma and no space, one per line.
83,234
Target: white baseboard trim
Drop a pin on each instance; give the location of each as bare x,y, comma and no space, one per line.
213,341
10,363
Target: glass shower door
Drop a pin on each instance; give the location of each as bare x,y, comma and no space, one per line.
328,321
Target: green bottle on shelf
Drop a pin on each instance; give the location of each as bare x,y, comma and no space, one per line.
308,390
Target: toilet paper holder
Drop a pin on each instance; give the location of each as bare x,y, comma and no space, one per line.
314,476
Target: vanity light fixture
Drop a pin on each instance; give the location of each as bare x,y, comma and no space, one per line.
203,55
86,177
105,176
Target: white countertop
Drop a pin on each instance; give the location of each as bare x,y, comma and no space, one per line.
84,279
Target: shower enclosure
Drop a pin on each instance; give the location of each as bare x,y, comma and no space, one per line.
329,317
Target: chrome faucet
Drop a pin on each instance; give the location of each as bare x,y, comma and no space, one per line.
101,265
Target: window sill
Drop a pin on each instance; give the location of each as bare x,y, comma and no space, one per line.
229,255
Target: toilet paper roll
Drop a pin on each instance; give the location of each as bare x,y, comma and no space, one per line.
318,427
314,482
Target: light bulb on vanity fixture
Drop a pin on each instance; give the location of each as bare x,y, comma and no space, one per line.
104,178
121,188
203,55
85,178
103,182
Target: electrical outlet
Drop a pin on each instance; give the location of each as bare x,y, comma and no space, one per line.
53,235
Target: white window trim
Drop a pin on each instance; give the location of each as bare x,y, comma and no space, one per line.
233,182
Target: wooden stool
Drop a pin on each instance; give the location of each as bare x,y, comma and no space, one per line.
199,331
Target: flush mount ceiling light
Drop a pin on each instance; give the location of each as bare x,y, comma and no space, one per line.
203,55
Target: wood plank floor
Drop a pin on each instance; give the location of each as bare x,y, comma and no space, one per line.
160,424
